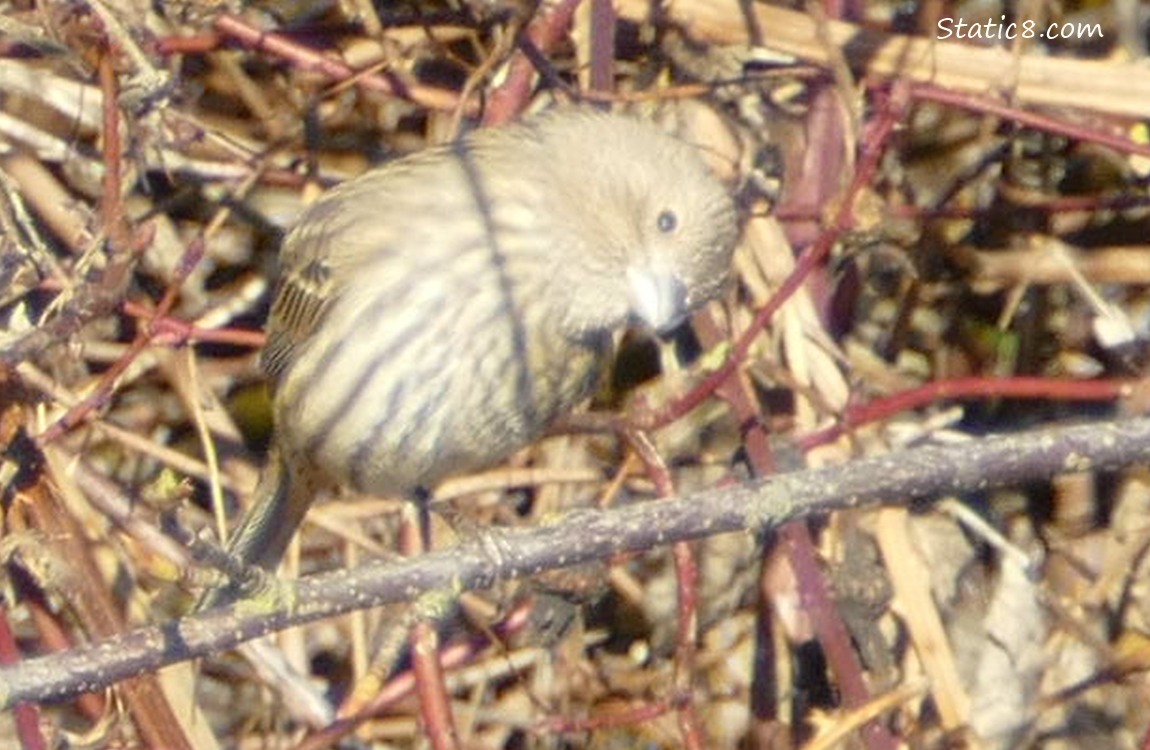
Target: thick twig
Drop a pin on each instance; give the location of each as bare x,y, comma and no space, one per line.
592,535
1029,79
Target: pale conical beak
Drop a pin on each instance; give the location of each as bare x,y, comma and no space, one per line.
658,298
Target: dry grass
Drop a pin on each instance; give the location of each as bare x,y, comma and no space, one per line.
959,240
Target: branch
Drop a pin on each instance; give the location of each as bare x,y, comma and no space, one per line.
587,535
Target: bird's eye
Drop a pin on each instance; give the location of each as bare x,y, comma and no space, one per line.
667,221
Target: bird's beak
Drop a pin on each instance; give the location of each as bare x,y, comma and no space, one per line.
658,298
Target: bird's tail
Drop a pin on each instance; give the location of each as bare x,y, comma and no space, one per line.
258,544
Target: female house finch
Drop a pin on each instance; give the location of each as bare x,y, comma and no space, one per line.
438,313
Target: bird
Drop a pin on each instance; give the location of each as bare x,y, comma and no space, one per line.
439,312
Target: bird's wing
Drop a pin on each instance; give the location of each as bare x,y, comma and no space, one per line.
302,296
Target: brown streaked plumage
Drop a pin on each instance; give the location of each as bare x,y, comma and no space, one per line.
438,313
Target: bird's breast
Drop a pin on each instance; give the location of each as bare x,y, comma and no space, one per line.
421,377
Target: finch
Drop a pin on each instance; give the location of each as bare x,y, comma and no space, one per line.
438,313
